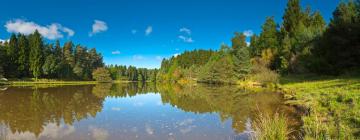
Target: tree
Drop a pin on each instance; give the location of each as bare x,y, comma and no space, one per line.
220,68
238,41
101,75
50,66
23,59
12,54
68,60
36,56
241,56
292,17
269,35
338,48
254,46
58,59
2,60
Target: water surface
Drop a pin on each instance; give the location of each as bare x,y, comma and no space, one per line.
131,111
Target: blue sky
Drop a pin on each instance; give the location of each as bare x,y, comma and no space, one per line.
142,32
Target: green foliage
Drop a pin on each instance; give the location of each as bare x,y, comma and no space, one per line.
36,56
220,69
28,56
23,58
12,56
240,56
131,73
101,75
337,50
261,73
184,66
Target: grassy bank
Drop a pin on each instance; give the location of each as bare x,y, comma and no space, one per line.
31,82
331,105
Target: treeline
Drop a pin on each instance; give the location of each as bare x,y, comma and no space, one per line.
131,73
30,57
302,43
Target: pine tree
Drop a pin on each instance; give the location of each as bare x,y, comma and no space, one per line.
12,54
241,56
36,56
254,47
68,60
292,17
23,59
269,35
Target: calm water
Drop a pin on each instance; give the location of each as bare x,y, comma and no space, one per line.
131,111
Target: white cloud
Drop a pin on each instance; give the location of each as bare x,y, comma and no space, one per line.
185,30
176,54
97,27
115,52
149,130
69,31
4,40
138,57
186,39
115,108
50,131
148,30
133,31
52,31
185,35
99,133
248,33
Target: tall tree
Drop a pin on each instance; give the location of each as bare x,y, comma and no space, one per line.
23,59
68,59
241,55
36,56
292,17
12,54
269,35
338,49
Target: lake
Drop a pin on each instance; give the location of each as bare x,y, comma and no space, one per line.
133,111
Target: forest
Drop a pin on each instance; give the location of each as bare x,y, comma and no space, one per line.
30,57
303,43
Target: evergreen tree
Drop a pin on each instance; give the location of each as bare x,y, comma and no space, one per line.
241,56
68,60
23,59
36,56
12,54
338,49
292,17
269,35
254,47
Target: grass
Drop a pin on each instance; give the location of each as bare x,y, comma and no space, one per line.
271,127
331,105
31,82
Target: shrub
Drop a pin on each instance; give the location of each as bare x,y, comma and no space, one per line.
101,75
262,74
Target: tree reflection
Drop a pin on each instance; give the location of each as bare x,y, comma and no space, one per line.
25,109
228,101
30,109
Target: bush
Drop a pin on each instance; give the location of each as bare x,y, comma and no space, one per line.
262,74
101,75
